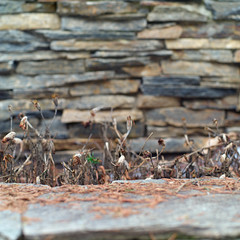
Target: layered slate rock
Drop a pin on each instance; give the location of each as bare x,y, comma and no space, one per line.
178,12
50,67
224,9
77,24
85,35
42,55
120,45
71,116
170,32
7,7
212,30
92,9
188,43
221,56
28,21
199,69
177,116
106,87
7,67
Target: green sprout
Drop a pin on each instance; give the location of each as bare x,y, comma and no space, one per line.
92,159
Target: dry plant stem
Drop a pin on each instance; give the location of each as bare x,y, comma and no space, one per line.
23,165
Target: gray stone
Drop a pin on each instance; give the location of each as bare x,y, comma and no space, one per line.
185,92
77,130
85,35
29,21
7,67
178,12
199,69
22,48
212,30
50,67
105,101
95,8
10,225
42,55
221,56
224,9
172,80
120,45
196,216
40,93
72,115
77,24
178,116
107,54
21,7
16,36
99,63
125,16
106,87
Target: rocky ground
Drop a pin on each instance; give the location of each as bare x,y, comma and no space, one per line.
144,209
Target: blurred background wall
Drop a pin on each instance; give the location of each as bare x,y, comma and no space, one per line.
172,65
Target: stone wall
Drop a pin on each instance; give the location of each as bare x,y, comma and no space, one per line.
158,61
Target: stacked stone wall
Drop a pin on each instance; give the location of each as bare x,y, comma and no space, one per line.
158,61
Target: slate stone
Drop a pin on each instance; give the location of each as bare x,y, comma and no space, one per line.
237,56
142,13
6,94
178,12
95,8
224,9
199,69
157,102
171,32
105,101
22,48
28,21
186,92
174,117
189,43
50,67
10,225
171,132
78,24
173,145
42,55
106,87
212,30
221,84
6,67
221,56
229,102
232,119
72,115
172,80
7,7
152,69
99,63
121,45
107,54
40,93
16,36
77,130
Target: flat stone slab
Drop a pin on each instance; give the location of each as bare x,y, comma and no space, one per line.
141,209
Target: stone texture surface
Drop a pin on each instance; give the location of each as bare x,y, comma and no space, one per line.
76,24
176,116
50,67
7,7
71,115
221,56
106,87
171,32
120,45
188,43
178,12
199,68
91,9
27,21
223,9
